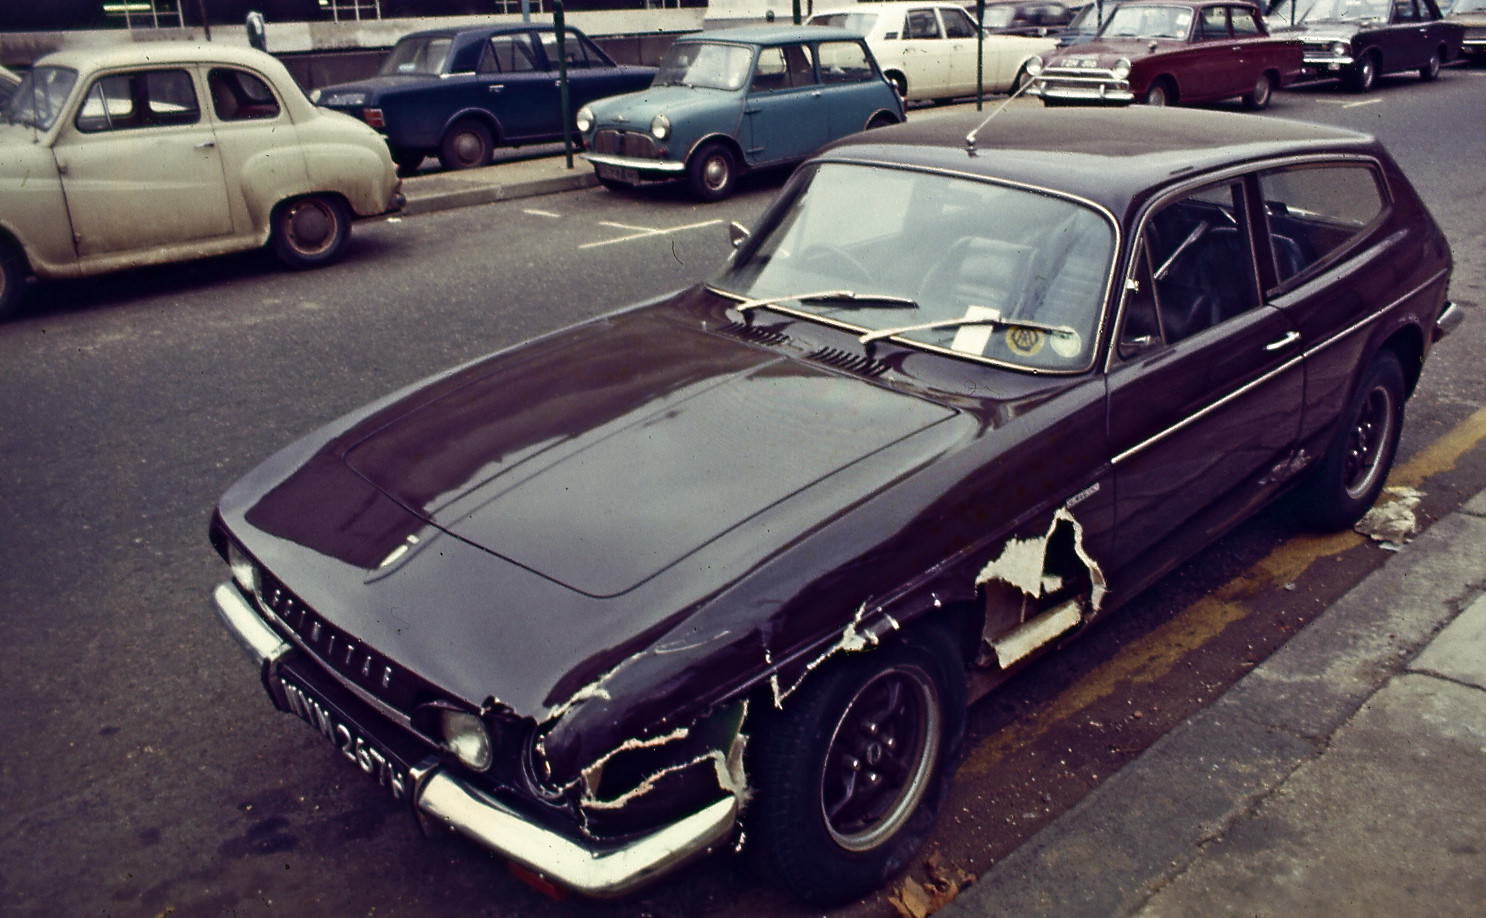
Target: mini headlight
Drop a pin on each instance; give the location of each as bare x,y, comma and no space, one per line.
1339,48
584,120
1121,68
465,735
660,126
1034,65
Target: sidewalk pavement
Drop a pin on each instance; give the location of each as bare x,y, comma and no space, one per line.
518,176
1342,776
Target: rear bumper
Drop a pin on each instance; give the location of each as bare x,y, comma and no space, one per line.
441,795
1450,318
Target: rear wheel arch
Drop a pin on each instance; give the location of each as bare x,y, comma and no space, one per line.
1407,346
899,81
14,268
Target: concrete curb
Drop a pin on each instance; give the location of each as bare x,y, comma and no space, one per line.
444,197
1150,821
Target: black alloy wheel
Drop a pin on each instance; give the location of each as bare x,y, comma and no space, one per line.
1347,480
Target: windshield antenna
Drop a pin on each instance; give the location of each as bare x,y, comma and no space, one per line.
970,137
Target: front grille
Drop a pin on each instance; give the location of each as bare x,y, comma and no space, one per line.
340,651
625,143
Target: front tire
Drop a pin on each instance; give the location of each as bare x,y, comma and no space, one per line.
1162,93
712,172
408,161
848,775
310,231
1348,479
466,145
1363,73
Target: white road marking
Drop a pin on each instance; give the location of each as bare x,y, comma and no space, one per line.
1364,102
541,213
642,232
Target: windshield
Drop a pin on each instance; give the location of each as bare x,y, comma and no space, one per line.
1290,11
952,264
424,54
1463,6
39,99
709,65
1136,21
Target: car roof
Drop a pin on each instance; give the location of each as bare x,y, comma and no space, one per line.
1111,156
126,54
499,29
772,35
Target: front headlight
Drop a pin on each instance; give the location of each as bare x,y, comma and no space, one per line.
465,735
584,120
660,127
1121,68
1034,65
1339,48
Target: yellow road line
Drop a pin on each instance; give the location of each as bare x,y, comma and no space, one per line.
1154,655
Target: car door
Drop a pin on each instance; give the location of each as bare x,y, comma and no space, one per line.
1211,59
1206,385
960,50
517,85
140,165
591,75
922,54
254,134
785,111
1402,41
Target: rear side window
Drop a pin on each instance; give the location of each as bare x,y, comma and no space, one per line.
509,54
146,98
1316,211
844,62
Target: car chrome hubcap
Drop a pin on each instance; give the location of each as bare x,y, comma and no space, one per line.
311,227
881,754
715,173
468,147
1370,432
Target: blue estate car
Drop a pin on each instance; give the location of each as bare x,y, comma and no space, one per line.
732,100
459,93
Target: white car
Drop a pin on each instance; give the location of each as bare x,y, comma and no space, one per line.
163,151
928,50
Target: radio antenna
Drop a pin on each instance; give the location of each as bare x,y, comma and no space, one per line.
970,137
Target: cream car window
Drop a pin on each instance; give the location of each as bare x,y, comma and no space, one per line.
141,99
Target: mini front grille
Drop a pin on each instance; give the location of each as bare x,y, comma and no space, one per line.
846,360
625,143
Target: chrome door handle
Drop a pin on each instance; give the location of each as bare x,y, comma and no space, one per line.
206,145
1283,342
496,87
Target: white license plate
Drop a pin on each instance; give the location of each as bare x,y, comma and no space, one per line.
618,173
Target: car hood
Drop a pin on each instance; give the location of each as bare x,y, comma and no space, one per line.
605,466
634,110
1104,52
1321,29
524,524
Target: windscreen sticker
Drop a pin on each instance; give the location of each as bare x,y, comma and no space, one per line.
974,339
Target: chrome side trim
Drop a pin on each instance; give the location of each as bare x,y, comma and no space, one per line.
262,644
601,873
1214,406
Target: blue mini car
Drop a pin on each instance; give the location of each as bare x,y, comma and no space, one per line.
728,101
459,93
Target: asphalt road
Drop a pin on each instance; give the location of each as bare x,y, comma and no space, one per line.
144,772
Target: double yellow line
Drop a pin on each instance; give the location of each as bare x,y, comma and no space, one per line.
1153,656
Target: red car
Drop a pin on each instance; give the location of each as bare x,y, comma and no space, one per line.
1165,53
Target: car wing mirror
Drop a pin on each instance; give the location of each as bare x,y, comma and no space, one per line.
737,233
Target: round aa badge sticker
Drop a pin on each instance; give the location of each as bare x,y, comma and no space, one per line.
1067,344
1026,342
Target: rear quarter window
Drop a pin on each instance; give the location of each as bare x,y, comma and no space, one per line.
1315,212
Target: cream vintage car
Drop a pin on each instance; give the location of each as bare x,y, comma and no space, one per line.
164,151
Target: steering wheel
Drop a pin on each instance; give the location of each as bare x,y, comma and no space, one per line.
825,252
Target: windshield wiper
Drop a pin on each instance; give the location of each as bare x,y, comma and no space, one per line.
1058,331
857,300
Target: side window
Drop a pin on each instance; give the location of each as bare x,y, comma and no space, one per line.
1202,269
958,24
922,24
1214,24
844,62
240,96
1245,23
1315,211
513,54
147,98
1405,11
770,71
578,53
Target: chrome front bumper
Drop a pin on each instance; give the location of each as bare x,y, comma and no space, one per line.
1084,86
636,163
442,795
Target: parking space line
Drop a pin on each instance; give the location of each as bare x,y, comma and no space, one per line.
641,232
540,213
1363,102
